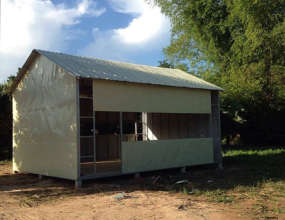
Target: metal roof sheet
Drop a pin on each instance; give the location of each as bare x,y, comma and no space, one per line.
127,72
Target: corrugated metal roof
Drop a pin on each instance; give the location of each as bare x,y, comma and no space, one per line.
127,72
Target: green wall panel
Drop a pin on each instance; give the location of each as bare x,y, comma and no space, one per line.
162,154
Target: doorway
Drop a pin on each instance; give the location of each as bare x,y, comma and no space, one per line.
107,142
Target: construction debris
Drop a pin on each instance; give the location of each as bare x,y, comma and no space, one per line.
121,196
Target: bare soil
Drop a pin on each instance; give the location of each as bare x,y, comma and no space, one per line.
24,196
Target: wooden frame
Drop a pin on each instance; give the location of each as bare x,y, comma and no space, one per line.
91,117
121,139
94,138
78,130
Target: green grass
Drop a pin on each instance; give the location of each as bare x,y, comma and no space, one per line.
256,166
253,176
249,174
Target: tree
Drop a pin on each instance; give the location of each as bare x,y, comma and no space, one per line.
6,119
239,45
168,64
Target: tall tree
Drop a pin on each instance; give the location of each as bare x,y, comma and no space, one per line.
241,46
6,119
167,64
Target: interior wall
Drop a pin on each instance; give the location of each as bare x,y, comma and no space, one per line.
132,129
44,122
107,125
131,97
163,126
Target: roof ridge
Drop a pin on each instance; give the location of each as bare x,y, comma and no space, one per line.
111,61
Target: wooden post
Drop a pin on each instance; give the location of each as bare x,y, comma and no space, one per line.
121,139
136,131
144,125
94,130
216,128
78,183
183,170
94,140
78,126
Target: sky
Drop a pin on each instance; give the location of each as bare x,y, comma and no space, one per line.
122,30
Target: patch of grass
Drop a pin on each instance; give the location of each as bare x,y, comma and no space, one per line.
279,211
36,197
246,189
252,177
256,167
219,196
224,199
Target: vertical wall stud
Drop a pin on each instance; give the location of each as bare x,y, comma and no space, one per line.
144,124
216,128
78,127
94,129
121,139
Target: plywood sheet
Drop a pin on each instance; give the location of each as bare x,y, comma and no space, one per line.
163,154
131,97
44,122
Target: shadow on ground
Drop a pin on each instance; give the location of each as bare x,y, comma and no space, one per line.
241,168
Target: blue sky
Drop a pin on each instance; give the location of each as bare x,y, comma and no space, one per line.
124,30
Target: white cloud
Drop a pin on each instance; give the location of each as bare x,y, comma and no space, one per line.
127,7
28,24
141,29
148,23
149,30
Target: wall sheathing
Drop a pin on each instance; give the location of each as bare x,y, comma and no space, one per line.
163,154
132,97
44,122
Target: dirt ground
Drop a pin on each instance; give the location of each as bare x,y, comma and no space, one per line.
24,196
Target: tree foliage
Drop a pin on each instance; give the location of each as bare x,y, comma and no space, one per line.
166,64
239,45
6,119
